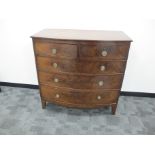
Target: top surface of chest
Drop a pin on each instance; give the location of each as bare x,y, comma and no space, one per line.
87,35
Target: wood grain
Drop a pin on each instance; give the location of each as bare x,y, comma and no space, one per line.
81,82
72,75
62,50
72,34
80,66
113,52
77,98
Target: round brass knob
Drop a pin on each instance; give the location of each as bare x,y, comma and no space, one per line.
54,51
57,95
55,65
56,80
100,83
104,53
98,97
102,68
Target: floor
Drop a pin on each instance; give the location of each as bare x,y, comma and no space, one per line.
21,114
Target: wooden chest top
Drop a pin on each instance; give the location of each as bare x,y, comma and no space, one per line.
87,35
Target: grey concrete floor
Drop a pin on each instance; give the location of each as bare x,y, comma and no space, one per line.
21,114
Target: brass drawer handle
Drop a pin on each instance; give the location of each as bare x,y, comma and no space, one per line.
100,83
102,68
55,65
54,51
99,97
104,53
57,96
56,80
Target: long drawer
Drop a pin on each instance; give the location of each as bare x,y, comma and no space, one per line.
82,99
79,66
81,82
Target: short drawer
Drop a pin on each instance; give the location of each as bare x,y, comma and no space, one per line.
79,98
55,49
79,66
81,82
115,52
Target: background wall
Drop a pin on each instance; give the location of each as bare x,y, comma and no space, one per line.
20,19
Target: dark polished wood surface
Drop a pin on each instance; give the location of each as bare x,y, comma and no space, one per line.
80,66
86,51
84,35
75,98
81,82
62,50
80,73
114,52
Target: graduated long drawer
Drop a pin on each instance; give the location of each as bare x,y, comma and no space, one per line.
79,99
80,66
81,82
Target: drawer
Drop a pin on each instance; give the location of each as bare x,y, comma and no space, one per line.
104,51
81,82
79,66
55,49
82,99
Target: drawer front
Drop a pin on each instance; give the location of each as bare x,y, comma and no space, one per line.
55,49
78,66
81,82
81,98
104,52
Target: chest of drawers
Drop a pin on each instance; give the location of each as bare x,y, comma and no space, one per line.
80,68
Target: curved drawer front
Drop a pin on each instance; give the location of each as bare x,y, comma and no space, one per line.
55,49
78,98
104,52
81,82
79,66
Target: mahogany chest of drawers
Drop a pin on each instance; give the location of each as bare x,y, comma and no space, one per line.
80,68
